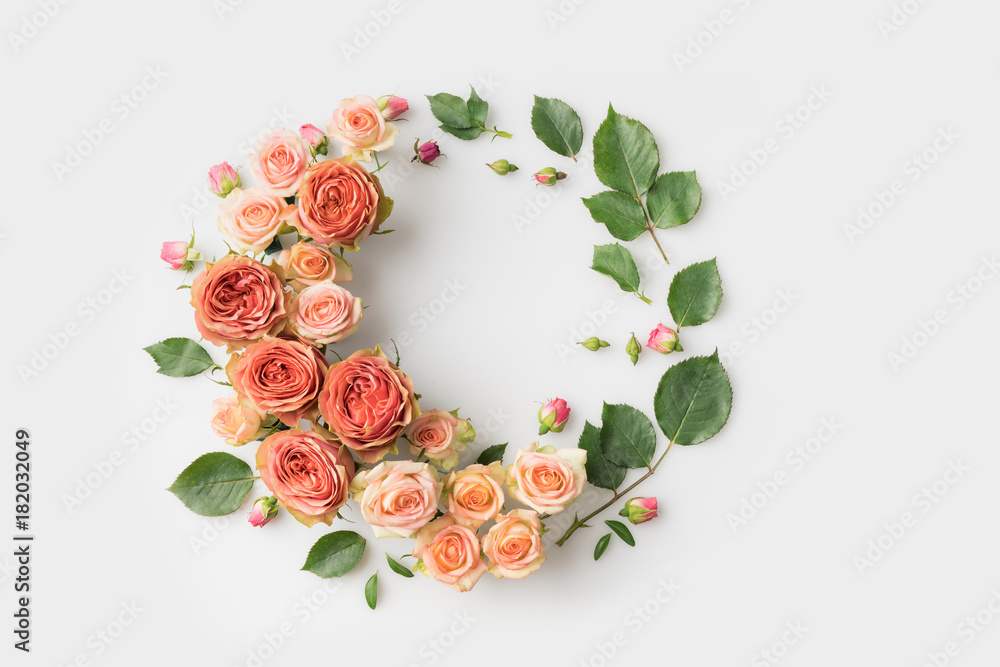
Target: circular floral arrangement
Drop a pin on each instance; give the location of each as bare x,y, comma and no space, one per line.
328,429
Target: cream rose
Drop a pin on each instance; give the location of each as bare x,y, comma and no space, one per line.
440,436
359,125
397,498
279,162
514,545
546,479
450,553
324,313
250,218
475,495
233,421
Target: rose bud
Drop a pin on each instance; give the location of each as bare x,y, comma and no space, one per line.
548,176
392,107
553,416
264,509
502,167
640,510
663,339
594,343
426,152
315,139
222,178
180,254
632,349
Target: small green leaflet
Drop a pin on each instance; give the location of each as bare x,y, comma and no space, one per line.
600,471
398,567
621,214
627,436
491,454
180,357
622,531
602,545
214,484
674,199
616,261
371,590
625,155
695,294
557,125
460,118
693,400
336,554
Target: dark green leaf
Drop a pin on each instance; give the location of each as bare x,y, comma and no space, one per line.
693,400
602,545
622,531
274,246
371,591
214,485
336,554
557,125
180,357
478,107
398,567
622,214
600,471
695,294
674,199
465,134
625,154
627,436
491,454
616,261
451,110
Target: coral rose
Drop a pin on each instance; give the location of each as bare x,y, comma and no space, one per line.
475,495
279,162
397,498
324,313
340,203
514,545
280,376
440,436
449,553
358,123
545,479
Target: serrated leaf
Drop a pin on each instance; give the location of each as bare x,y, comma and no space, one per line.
625,154
622,531
491,454
478,107
695,294
674,199
451,110
557,125
600,471
214,484
616,261
627,436
693,400
602,545
398,567
180,357
371,590
465,134
621,214
335,554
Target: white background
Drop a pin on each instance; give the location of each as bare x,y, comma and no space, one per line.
217,592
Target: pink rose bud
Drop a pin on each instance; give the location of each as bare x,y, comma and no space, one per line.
640,510
179,254
663,339
426,152
222,178
264,509
548,176
553,416
314,137
392,107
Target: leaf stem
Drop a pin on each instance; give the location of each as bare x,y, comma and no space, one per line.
650,228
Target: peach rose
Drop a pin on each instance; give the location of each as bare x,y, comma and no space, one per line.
440,436
308,473
279,161
324,313
368,403
514,545
449,553
238,300
233,421
397,498
359,125
308,264
280,376
475,495
545,479
340,203
251,218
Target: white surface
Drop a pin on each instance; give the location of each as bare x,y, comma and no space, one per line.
494,350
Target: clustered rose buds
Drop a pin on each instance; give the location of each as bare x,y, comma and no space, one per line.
426,152
502,167
552,416
594,343
548,176
663,339
640,510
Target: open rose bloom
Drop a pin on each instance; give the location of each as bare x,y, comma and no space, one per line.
324,313
281,376
440,436
359,124
546,479
251,218
450,553
475,495
307,264
340,204
234,421
397,498
279,162
514,545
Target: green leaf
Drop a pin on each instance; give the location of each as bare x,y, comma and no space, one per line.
274,246
398,567
600,471
693,400
557,125
616,261
371,590
451,110
602,545
695,294
335,554
674,199
625,154
214,485
622,214
478,107
465,134
180,357
622,531
491,454
627,436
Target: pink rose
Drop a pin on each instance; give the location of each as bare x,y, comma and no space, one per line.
663,339
279,162
514,545
359,125
441,436
324,313
547,480
308,473
233,421
397,498
640,510
264,509
280,376
475,495
238,300
222,178
315,139
175,253
308,264
251,218
449,553
552,416
368,403
340,203
392,107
